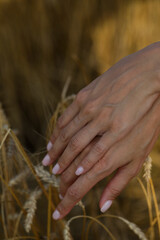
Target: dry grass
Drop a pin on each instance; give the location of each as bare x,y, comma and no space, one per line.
43,43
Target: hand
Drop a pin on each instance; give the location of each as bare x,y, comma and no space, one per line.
111,106
125,156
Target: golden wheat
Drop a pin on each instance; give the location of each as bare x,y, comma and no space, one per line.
31,206
18,178
66,233
134,228
147,168
46,176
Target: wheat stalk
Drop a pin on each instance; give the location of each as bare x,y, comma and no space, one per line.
17,179
65,88
134,228
46,176
147,168
31,206
10,148
66,232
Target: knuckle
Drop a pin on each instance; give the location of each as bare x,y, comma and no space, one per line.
55,133
89,176
53,137
100,167
80,97
98,149
87,163
64,136
114,191
92,176
77,119
65,177
73,193
60,122
89,109
118,125
104,166
74,144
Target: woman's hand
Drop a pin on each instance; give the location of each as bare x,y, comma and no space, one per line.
113,107
125,156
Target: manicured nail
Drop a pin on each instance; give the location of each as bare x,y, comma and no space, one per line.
79,171
56,168
49,146
56,215
106,206
46,160
60,196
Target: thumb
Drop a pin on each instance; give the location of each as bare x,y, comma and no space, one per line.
116,185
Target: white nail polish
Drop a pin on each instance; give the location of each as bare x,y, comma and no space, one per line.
60,196
56,214
56,168
49,146
79,171
46,160
106,206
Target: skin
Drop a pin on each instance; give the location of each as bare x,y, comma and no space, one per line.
111,126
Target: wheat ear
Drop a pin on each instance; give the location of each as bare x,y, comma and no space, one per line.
66,233
46,176
134,228
17,179
147,168
31,206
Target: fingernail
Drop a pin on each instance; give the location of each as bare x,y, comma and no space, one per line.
46,160
49,146
60,196
106,206
56,168
56,215
79,171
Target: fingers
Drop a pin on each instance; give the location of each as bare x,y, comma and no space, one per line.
113,136
68,176
85,182
63,138
77,143
96,153
74,194
62,121
70,113
118,183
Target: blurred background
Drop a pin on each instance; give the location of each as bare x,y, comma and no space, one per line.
43,42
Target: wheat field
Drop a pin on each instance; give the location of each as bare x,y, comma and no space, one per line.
43,44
